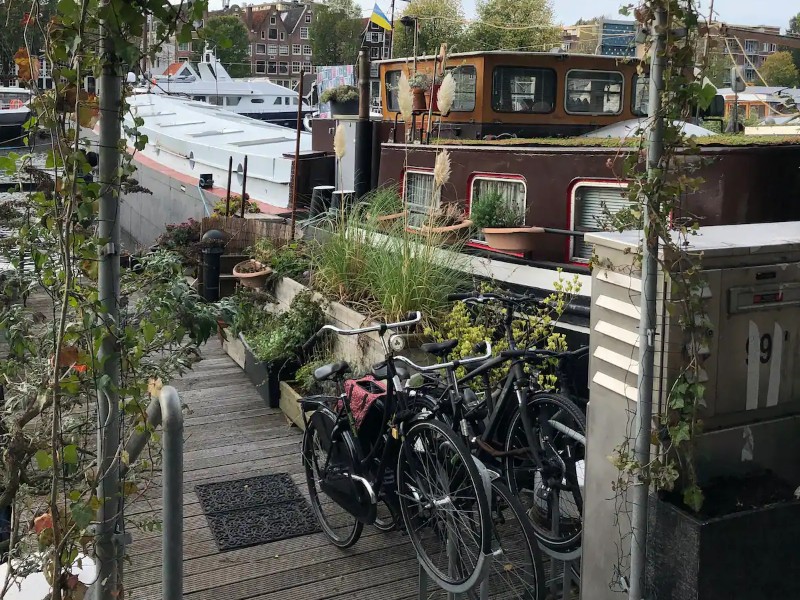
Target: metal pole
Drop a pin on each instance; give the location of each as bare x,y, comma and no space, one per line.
391,43
166,411
244,187
109,546
228,192
647,323
363,149
296,156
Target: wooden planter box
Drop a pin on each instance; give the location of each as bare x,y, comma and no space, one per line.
266,376
749,555
347,109
234,347
290,406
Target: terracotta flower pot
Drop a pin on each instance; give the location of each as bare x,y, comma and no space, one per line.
418,102
252,278
386,222
451,234
512,239
431,97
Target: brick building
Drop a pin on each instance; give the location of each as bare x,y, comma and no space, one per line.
748,51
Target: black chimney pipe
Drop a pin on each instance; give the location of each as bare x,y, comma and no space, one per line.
363,154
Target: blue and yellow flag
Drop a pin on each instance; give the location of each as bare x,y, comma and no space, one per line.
379,18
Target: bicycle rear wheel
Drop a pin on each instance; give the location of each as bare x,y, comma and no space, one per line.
321,455
552,496
444,505
516,567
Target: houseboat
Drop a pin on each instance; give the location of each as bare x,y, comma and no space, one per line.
522,124
14,112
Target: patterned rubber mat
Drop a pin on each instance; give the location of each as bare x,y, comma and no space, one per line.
255,510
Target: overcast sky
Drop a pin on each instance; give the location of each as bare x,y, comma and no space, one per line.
739,12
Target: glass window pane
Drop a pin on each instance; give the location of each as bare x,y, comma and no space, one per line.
594,92
641,95
523,89
419,196
392,81
595,207
465,88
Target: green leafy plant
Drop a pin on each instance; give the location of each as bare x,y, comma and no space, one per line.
291,260
282,335
340,93
247,310
492,209
383,201
420,81
263,250
235,207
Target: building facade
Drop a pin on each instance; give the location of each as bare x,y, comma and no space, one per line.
749,53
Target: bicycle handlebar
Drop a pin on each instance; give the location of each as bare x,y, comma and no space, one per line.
411,319
451,364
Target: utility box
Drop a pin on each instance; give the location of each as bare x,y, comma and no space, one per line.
751,371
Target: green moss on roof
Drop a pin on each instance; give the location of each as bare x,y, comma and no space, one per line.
589,142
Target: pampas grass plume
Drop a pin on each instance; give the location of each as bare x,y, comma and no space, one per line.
404,97
447,93
441,169
339,142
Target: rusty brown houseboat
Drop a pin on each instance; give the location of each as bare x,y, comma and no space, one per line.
512,130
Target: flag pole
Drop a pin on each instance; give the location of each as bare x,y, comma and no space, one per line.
391,23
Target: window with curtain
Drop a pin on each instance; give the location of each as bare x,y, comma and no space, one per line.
523,89
513,190
594,92
592,206
392,81
419,197
465,77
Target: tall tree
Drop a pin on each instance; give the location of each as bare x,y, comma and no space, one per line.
336,33
227,35
515,25
779,70
438,22
794,29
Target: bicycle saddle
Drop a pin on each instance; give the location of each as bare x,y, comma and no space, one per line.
331,371
440,349
379,371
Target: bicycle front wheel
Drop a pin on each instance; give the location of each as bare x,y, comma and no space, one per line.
321,456
444,505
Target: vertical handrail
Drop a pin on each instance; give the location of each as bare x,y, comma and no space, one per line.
166,411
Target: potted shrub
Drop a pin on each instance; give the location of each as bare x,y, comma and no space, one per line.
448,223
742,544
343,99
272,351
253,272
420,84
385,207
502,223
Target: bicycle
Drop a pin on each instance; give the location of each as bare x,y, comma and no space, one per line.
436,485
541,448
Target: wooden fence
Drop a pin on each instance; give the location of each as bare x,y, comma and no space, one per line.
242,233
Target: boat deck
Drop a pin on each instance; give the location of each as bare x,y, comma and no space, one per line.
230,434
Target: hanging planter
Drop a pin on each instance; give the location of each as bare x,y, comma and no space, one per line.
512,239
252,273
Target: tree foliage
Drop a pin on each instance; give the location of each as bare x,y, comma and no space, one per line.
439,21
336,33
228,36
515,25
20,30
779,70
794,29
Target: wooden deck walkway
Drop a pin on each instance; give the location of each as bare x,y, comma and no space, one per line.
229,434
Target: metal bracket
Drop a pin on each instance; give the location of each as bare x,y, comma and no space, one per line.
109,249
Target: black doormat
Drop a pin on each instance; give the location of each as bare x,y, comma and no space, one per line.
256,510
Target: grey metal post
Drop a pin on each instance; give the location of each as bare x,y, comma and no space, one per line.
166,410
109,547
644,405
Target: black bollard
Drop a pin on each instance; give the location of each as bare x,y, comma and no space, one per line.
212,255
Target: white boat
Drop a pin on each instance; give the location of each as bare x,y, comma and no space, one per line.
193,138
14,112
211,83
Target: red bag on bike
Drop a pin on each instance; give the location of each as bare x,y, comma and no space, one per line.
363,394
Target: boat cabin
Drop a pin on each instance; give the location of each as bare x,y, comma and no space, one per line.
526,94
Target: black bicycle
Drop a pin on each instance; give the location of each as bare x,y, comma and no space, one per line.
435,483
535,437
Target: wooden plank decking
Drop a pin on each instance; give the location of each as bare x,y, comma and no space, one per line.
230,433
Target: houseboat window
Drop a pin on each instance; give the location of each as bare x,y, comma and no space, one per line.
256,101
294,101
522,89
593,206
392,81
465,88
419,197
594,92
215,100
278,101
199,98
641,95
233,100
512,189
